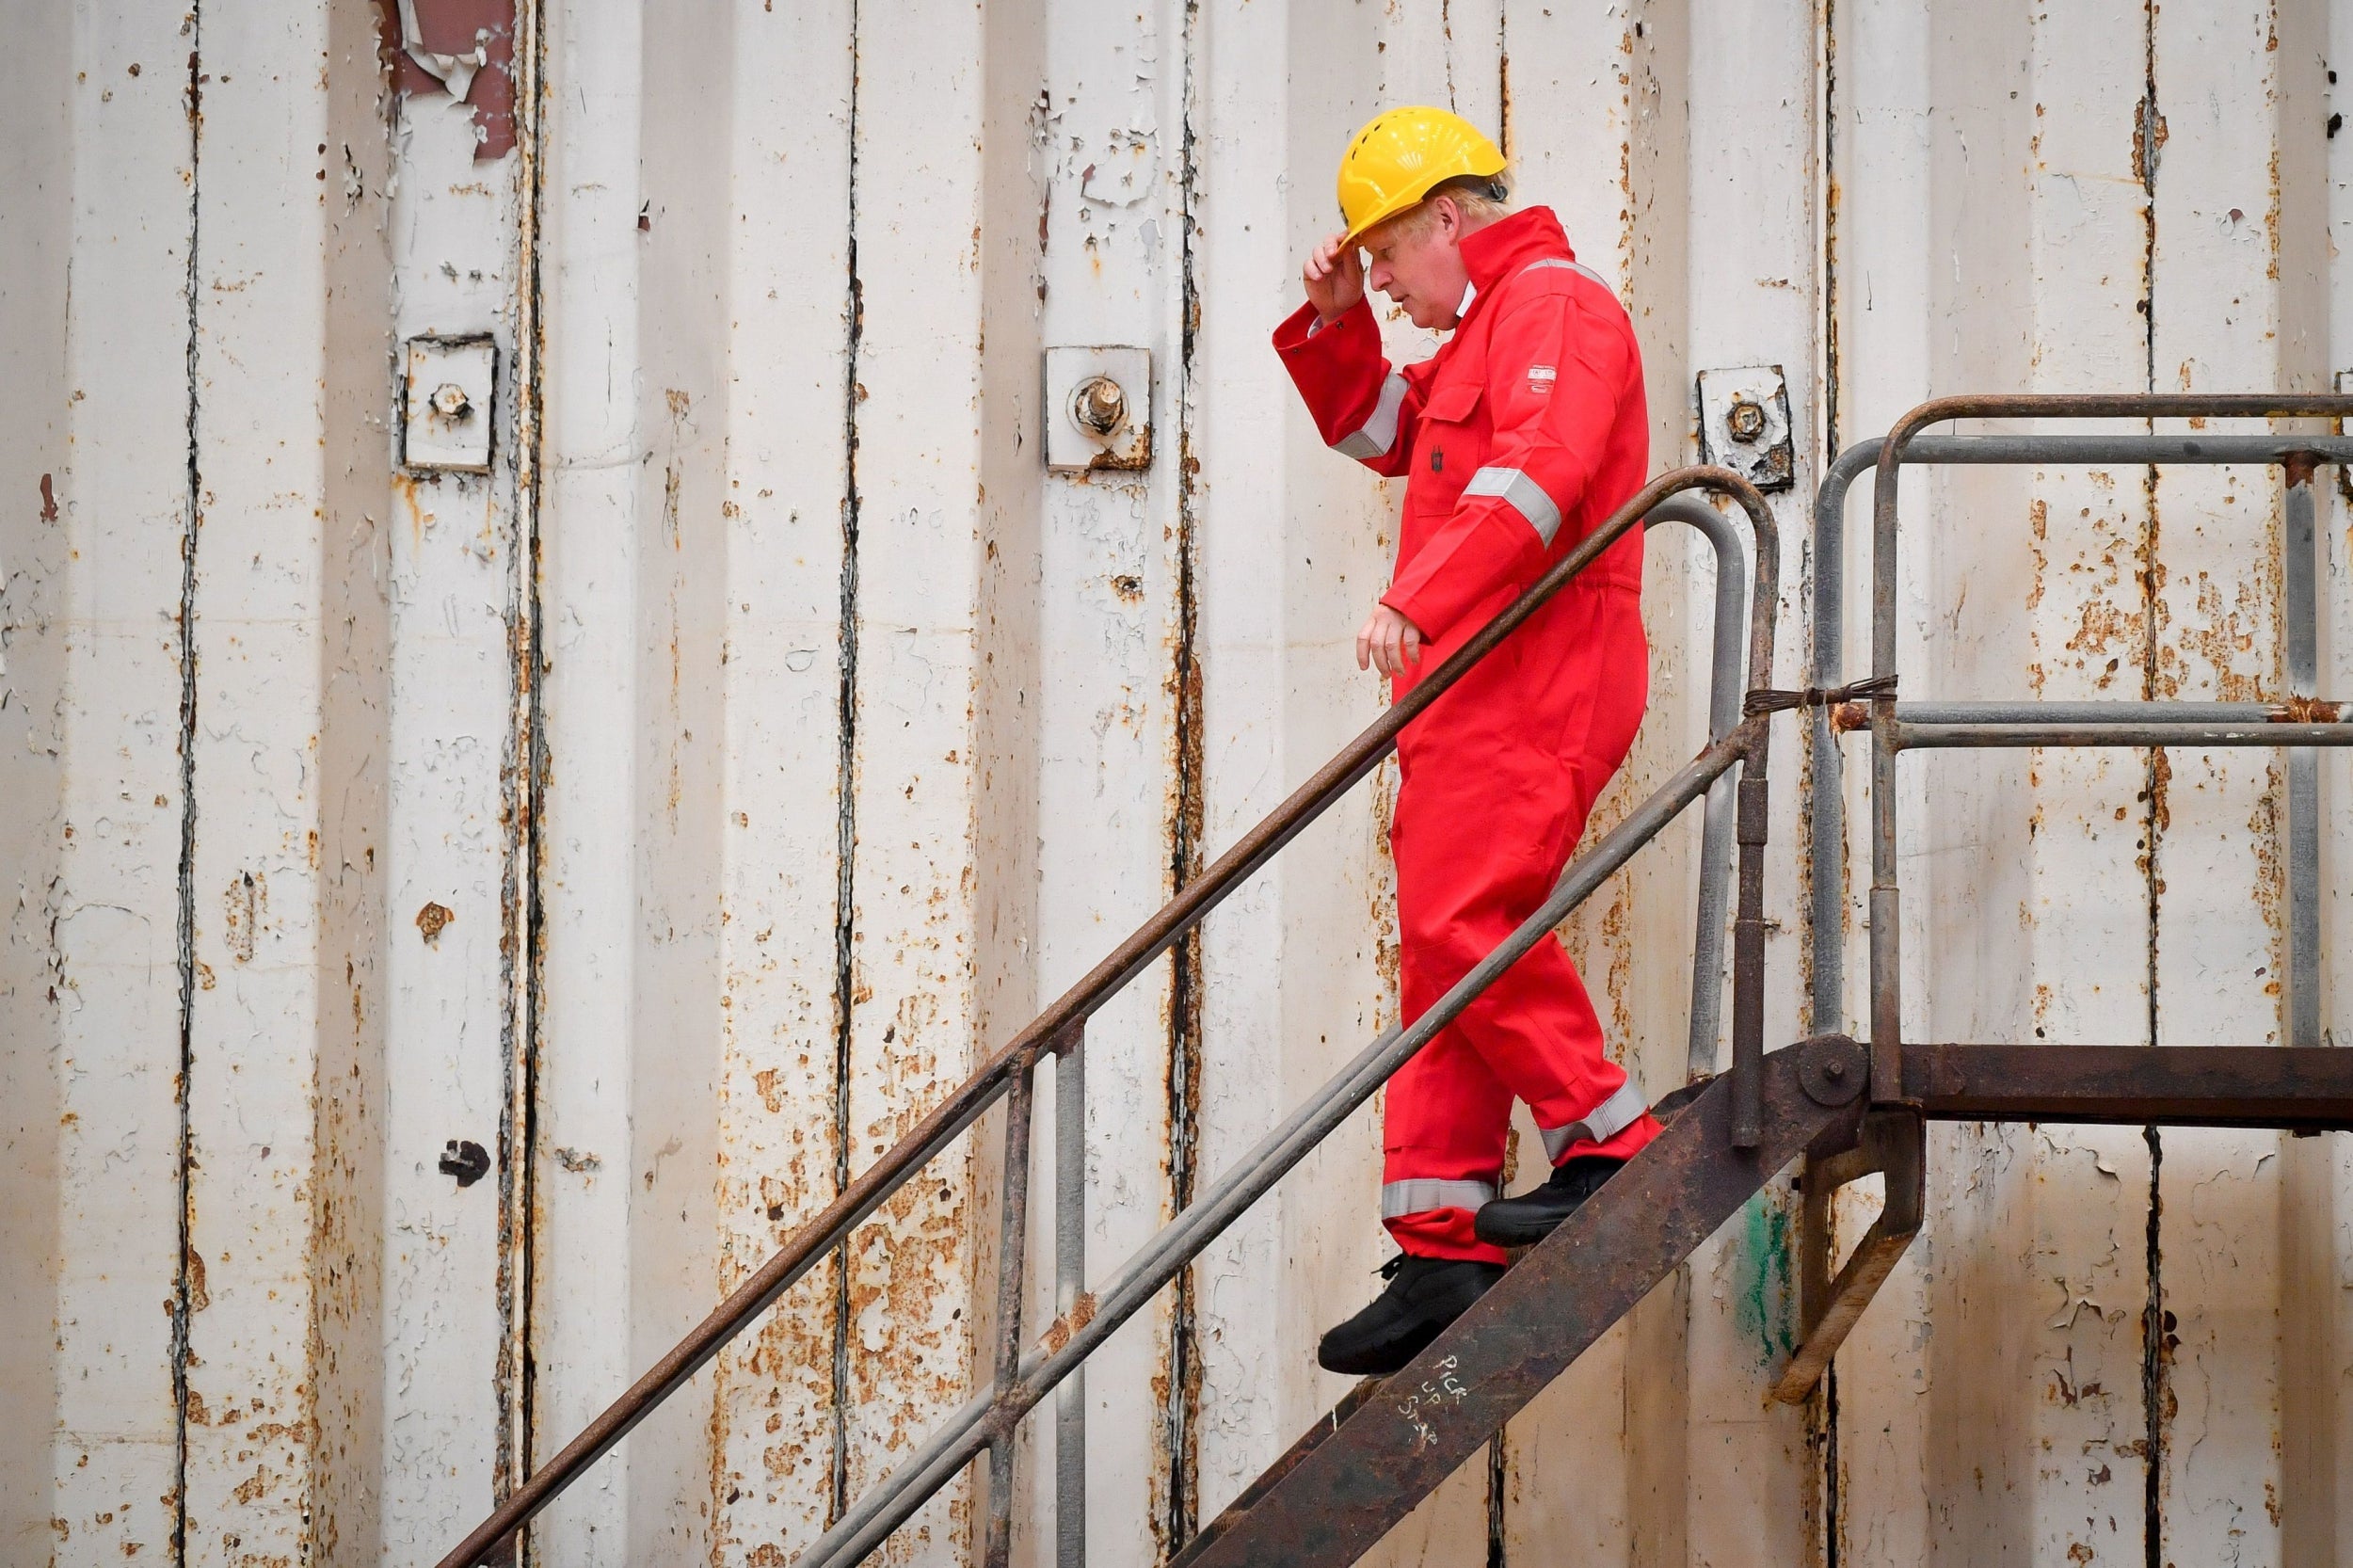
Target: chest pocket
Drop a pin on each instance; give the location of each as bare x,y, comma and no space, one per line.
1446,454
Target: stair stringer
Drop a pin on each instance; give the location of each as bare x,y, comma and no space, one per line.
1342,1486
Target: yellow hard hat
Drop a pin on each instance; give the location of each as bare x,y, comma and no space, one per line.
1404,155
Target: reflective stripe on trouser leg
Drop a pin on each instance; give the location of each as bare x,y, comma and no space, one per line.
1522,494
1613,1116
1374,438
1400,1198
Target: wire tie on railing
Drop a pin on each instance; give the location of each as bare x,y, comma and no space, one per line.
1771,699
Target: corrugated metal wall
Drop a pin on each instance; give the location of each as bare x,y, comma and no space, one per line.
671,818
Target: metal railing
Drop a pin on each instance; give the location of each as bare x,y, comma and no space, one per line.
988,1422
2297,722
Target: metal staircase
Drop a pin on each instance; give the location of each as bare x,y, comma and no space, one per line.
1848,1109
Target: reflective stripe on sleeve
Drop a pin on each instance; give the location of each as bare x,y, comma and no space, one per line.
1523,494
1601,1124
1400,1198
1379,433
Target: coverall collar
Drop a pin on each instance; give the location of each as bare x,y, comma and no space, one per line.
1494,253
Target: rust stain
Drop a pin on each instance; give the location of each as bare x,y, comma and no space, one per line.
1387,950
432,919
2149,134
1057,1332
2160,781
245,903
2264,828
2308,709
48,501
2228,630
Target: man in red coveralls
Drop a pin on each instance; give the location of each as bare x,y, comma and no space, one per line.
1525,429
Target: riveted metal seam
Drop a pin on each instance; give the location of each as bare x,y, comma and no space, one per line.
1182,1409
182,1304
525,947
845,907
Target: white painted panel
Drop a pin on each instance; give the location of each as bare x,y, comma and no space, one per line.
257,377
1755,85
1113,142
36,430
1878,273
685,224
2218,949
1586,138
122,498
447,933
587,1160
916,868
1261,491
2316,1412
349,1397
787,481
1300,968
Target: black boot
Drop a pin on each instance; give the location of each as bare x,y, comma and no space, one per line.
1530,1217
1424,1295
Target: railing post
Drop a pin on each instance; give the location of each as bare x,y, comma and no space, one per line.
1726,663
2302,614
1748,948
1071,1264
1013,1233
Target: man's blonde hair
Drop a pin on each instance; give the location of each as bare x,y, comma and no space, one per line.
1481,198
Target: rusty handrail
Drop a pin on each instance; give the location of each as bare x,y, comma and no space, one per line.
1886,911
1193,902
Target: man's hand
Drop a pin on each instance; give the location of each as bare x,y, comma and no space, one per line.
1335,276
1388,641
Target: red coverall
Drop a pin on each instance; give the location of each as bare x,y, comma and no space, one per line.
1522,432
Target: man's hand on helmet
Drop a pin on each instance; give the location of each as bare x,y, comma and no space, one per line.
1335,276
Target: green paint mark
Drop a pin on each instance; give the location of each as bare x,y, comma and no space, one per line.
1763,1275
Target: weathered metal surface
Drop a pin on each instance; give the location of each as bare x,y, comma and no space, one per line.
264,449
451,934
2289,1087
773,1431
1753,82
592,1161
111,487
1850,193
36,601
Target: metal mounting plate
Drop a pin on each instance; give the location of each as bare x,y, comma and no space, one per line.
1744,425
447,388
1072,444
